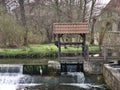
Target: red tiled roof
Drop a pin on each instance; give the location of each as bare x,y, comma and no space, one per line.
70,28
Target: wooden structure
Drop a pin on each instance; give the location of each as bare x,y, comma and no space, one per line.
78,28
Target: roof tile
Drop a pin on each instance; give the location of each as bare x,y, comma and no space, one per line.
70,28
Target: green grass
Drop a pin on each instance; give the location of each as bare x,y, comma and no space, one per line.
40,49
43,50
26,60
31,49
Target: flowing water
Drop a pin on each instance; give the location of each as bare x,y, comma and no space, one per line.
11,78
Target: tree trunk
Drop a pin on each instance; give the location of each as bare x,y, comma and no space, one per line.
57,8
103,32
23,20
80,7
84,11
92,7
93,22
3,4
92,32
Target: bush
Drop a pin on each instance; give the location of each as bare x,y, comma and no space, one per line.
11,33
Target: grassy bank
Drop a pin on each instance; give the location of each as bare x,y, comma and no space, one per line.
39,50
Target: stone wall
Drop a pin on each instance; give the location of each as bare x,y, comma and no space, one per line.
112,77
112,38
94,66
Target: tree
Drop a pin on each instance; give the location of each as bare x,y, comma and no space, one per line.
84,10
11,34
23,21
3,4
103,32
57,10
95,10
93,21
41,14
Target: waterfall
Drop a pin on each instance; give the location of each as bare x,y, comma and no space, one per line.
11,76
80,78
80,81
6,68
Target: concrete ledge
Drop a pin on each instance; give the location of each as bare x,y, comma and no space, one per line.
94,66
111,76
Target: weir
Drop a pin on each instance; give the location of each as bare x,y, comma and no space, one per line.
7,68
12,75
14,79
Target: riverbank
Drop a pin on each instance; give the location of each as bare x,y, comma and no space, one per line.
26,60
39,51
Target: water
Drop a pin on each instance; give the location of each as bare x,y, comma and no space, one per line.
7,68
11,78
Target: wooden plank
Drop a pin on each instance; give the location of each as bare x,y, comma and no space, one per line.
81,59
71,43
71,59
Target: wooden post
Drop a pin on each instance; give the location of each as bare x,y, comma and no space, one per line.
83,45
65,68
78,67
59,47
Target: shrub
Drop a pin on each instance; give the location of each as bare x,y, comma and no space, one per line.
11,33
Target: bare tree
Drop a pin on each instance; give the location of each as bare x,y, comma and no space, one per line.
3,4
41,14
23,20
103,32
93,21
79,9
57,10
84,10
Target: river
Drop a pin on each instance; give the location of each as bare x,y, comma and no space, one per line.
11,78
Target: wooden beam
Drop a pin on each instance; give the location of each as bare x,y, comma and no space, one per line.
71,43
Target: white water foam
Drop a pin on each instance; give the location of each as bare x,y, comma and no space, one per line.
13,81
80,76
84,85
11,78
8,87
80,81
17,87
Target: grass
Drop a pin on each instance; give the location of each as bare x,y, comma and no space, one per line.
26,61
31,49
40,49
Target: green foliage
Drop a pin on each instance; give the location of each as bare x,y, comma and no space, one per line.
35,69
41,49
34,38
11,34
